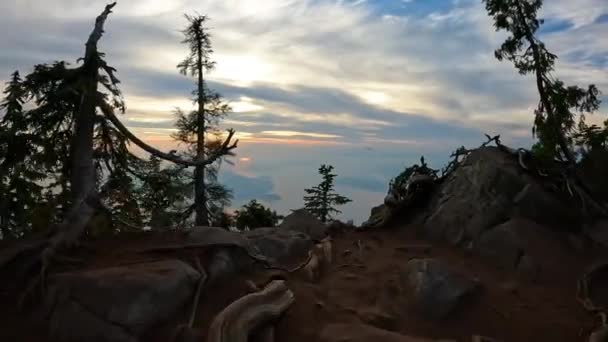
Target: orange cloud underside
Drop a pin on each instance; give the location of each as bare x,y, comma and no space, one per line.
167,143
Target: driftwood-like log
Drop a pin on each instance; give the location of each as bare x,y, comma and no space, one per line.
237,321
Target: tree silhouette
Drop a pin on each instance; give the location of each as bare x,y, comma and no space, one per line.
255,215
20,191
556,115
194,126
163,194
321,199
72,131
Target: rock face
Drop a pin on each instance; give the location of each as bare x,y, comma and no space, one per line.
120,303
487,189
437,291
525,247
303,221
362,333
279,244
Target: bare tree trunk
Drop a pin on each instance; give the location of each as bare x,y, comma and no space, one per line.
82,177
200,199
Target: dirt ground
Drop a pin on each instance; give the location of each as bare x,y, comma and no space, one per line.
363,285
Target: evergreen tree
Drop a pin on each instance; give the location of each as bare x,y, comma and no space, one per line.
20,189
196,125
321,199
255,215
163,194
555,121
70,135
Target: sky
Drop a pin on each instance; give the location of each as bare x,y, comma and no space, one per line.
367,86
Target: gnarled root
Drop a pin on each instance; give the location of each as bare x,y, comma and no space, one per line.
237,321
319,260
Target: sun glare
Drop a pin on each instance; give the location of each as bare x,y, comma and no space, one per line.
375,97
242,69
245,105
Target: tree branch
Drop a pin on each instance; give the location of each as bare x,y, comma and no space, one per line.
226,147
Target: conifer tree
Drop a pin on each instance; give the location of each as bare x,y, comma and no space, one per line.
163,194
70,131
255,215
20,191
321,199
556,120
195,127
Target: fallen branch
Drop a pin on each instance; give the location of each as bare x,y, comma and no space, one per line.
237,321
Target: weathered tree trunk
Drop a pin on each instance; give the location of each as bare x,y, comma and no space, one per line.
82,175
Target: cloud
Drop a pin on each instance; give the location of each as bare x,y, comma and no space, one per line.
246,188
363,183
381,81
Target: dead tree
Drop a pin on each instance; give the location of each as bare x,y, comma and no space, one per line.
84,81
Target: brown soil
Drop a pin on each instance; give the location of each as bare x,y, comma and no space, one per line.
363,285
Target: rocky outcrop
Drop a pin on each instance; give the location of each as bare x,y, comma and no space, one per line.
303,221
436,290
118,304
279,244
488,188
522,246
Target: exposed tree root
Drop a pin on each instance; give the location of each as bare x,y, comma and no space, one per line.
253,311
197,295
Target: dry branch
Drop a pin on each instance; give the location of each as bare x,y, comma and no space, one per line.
237,321
91,45
225,148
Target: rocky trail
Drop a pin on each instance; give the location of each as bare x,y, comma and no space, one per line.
485,259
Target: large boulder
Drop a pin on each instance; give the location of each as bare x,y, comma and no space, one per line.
487,189
279,244
523,246
303,221
118,304
436,290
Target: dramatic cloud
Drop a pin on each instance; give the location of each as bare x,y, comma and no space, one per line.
366,85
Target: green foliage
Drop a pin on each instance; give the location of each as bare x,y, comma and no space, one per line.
123,201
542,154
163,193
401,179
36,135
321,199
255,215
20,191
593,150
592,138
561,107
198,39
